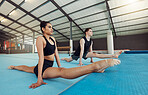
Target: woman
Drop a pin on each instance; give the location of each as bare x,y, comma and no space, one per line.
47,49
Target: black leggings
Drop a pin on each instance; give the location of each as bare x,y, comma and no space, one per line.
46,64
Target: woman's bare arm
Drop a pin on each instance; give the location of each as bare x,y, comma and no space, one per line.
39,45
56,54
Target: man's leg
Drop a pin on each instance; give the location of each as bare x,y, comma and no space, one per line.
67,59
92,54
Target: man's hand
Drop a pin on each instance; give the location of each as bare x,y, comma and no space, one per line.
80,64
91,60
39,83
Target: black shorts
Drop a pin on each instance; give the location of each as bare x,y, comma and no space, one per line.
74,57
46,64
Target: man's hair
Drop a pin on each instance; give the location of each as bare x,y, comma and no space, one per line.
86,30
43,25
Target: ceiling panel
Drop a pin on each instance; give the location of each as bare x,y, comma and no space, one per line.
86,12
63,2
17,1
91,18
80,5
62,26
123,33
21,28
25,19
32,4
58,21
6,29
44,9
27,32
6,8
18,34
51,16
37,28
6,22
1,27
33,23
14,25
16,14
13,32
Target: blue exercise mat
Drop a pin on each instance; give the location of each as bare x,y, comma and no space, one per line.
128,78
136,51
14,82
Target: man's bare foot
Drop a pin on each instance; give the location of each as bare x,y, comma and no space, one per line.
11,67
116,55
103,64
67,59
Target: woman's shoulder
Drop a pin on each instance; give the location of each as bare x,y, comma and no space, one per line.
40,38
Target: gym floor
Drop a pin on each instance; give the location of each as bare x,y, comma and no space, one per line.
128,78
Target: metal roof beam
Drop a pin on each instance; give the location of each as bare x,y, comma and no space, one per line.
110,18
17,23
7,33
14,29
81,10
69,18
2,2
94,13
5,37
61,34
28,13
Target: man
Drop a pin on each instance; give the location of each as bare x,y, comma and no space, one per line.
84,49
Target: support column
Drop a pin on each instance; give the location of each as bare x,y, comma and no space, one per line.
16,43
5,45
33,46
23,46
20,46
71,42
9,49
110,43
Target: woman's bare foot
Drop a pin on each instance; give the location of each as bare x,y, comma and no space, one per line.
11,67
116,55
101,71
63,58
103,64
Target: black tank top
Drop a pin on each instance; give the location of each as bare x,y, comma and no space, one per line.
86,47
49,49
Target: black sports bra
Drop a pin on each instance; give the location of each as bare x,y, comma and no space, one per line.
86,47
49,49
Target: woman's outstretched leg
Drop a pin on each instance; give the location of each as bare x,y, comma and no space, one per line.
23,68
71,73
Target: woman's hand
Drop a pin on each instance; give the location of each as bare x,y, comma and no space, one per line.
80,64
39,83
